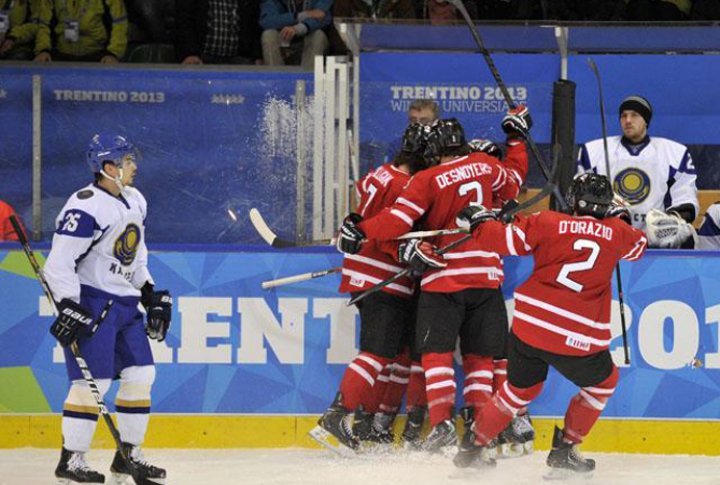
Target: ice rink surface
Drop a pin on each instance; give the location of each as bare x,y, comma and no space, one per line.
310,467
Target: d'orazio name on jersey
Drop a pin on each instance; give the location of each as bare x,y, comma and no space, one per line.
588,228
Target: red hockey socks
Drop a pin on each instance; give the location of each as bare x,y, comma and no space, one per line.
360,377
416,394
499,374
440,386
397,384
497,414
585,408
478,386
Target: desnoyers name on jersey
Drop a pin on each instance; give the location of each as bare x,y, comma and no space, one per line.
98,96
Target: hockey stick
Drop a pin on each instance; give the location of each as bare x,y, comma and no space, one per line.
87,375
266,285
458,4
618,277
506,215
273,240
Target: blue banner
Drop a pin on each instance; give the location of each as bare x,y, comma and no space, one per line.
234,348
213,144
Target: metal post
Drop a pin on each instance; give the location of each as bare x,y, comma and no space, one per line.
330,148
301,155
37,158
318,128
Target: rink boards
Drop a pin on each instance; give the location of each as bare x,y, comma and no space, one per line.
244,367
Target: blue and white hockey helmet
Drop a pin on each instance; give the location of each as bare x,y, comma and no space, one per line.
105,147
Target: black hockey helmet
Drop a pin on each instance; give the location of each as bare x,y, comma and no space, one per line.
590,194
412,149
444,137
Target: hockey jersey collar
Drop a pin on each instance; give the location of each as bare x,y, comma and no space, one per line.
635,148
119,197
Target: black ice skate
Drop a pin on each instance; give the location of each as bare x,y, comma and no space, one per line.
143,473
411,436
517,439
471,454
74,469
442,435
382,428
335,422
565,459
362,425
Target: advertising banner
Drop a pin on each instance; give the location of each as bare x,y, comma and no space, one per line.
235,348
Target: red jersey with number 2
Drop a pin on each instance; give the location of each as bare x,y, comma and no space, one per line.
564,306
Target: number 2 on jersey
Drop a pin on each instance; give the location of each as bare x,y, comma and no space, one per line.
579,245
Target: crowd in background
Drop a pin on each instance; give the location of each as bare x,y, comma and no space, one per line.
270,32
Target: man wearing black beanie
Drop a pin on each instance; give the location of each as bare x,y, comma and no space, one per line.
655,176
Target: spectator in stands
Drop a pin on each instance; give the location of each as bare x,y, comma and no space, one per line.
420,111
19,25
655,176
218,31
81,34
600,10
505,9
7,233
658,10
705,10
293,29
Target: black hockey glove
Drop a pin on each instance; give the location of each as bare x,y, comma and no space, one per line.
474,215
420,256
72,322
158,305
350,237
486,146
517,121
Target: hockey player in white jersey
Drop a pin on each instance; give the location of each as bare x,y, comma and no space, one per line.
99,254
648,172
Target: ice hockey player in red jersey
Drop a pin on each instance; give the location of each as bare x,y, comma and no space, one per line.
562,314
460,293
385,315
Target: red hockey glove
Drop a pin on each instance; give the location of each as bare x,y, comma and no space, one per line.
420,255
517,121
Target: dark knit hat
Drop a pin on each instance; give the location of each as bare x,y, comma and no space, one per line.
638,104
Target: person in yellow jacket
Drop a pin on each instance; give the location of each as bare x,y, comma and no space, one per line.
81,34
19,23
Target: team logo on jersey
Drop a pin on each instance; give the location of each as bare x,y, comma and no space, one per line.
126,245
632,184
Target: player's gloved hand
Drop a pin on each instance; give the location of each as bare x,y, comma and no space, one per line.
350,237
473,215
619,208
485,146
72,322
667,231
517,121
158,305
420,255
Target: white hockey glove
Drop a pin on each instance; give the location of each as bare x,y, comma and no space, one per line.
667,231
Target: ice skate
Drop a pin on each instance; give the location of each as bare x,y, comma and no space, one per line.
412,433
441,436
335,422
382,428
471,454
144,473
565,460
362,425
73,468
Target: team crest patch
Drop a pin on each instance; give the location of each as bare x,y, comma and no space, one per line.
85,194
632,184
126,245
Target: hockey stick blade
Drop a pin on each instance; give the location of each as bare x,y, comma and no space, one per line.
272,239
266,285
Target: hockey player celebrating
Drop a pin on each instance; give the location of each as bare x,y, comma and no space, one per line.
99,254
562,314
655,175
460,293
385,315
